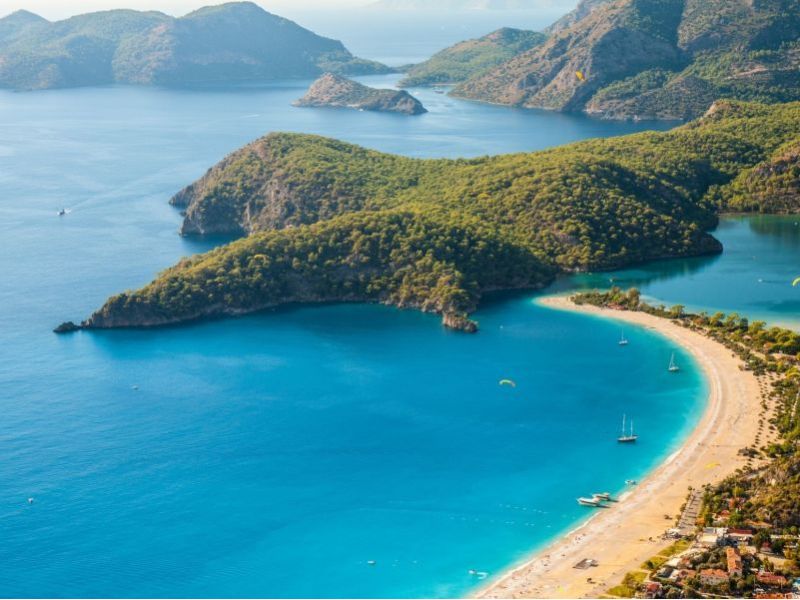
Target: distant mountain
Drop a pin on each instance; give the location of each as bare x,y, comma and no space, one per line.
15,24
340,92
473,57
442,5
665,59
233,42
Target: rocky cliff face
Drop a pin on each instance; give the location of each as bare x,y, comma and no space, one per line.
266,185
606,45
332,90
654,59
580,12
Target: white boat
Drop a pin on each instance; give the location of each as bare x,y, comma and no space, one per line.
602,496
62,212
630,482
673,367
627,438
622,340
589,502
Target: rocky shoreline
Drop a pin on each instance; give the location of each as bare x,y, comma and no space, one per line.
336,91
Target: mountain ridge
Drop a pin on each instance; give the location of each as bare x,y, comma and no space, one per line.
653,59
232,42
469,58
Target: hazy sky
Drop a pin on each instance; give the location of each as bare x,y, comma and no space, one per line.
56,9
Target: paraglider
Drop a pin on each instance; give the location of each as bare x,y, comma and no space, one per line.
507,383
796,282
580,75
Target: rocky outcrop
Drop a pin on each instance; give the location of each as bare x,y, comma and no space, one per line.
339,92
67,327
459,322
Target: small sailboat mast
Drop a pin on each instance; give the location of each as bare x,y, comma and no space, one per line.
625,437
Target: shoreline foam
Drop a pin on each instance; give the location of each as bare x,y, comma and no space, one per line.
622,538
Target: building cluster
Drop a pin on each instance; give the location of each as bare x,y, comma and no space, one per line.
728,562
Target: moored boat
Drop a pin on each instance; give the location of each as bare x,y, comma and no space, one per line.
589,502
627,438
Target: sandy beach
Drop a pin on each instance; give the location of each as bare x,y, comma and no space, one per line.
624,536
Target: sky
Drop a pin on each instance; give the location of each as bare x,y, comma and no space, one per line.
58,9
55,9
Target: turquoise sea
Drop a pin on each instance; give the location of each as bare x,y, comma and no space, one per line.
277,454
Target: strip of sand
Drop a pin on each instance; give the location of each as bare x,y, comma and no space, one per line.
623,537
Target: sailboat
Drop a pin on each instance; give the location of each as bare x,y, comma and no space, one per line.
622,340
673,367
627,438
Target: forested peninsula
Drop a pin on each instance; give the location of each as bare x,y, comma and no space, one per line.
325,221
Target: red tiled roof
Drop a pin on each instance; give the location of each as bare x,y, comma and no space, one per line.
713,575
771,579
734,560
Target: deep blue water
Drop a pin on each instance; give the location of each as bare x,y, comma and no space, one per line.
275,455
401,37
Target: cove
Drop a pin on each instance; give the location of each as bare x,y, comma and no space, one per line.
277,454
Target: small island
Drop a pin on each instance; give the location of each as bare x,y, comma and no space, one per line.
340,92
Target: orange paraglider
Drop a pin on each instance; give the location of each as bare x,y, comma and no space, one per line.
580,75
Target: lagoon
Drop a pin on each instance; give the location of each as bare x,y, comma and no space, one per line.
277,454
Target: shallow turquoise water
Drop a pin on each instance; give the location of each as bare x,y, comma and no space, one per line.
275,455
753,276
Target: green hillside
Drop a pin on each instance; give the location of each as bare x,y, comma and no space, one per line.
472,58
326,220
